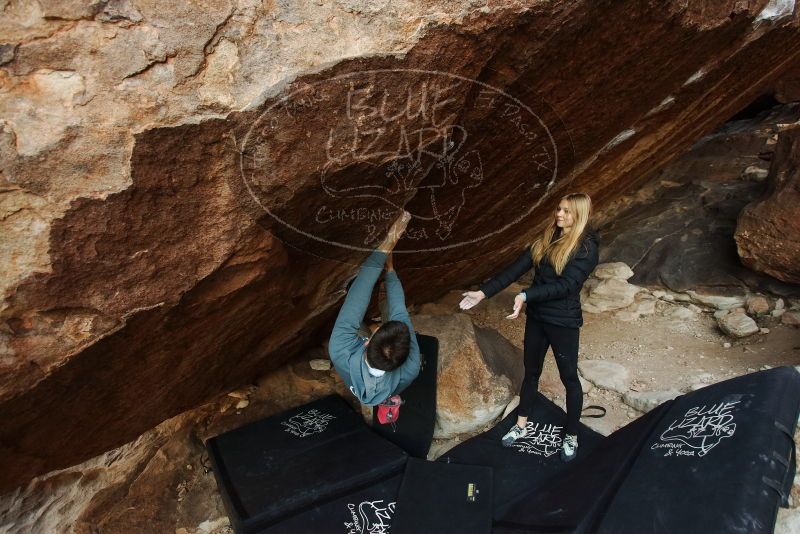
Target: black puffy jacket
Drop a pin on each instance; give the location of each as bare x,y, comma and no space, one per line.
551,298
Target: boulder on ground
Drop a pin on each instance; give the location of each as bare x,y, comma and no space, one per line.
757,305
480,371
768,229
737,325
791,317
608,295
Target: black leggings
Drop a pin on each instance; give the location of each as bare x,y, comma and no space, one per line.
538,337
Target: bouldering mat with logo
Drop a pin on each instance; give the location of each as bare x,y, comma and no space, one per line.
368,510
531,460
721,460
717,460
282,464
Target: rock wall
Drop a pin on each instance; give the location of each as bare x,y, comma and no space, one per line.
680,229
768,230
185,188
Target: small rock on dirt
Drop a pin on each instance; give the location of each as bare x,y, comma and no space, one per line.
755,173
737,325
319,364
605,374
757,305
791,317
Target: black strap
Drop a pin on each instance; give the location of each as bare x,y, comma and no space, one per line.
789,465
783,428
594,415
780,459
776,486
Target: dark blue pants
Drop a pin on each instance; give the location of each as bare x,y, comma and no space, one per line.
539,337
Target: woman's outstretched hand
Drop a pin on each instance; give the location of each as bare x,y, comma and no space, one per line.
471,298
518,302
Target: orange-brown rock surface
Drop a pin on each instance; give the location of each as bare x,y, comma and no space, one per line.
787,89
479,371
768,230
185,188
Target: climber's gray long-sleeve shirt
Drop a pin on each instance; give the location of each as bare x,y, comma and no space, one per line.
346,348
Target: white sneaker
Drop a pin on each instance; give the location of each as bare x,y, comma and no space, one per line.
513,435
569,449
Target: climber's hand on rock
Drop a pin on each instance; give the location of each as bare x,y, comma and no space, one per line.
518,302
471,298
395,232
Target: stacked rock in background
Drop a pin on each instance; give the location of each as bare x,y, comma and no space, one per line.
607,289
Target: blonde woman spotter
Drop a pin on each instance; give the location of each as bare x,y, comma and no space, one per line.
562,257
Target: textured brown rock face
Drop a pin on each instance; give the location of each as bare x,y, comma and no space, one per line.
480,371
768,230
147,152
788,89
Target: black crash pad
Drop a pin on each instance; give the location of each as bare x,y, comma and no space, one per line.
531,459
273,468
413,431
717,460
723,457
444,498
368,510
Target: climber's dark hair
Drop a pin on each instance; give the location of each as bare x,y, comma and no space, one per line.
389,345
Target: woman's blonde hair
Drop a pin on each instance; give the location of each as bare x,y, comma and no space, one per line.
558,246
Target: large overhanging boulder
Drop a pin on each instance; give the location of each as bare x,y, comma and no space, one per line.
177,180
